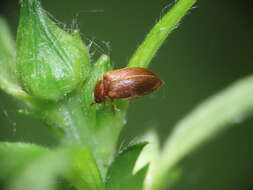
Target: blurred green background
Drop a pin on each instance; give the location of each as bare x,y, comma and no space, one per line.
209,50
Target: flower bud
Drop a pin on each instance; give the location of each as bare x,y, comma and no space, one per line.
51,62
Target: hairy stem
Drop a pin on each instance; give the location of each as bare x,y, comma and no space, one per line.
156,37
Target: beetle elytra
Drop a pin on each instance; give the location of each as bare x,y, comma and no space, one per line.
129,83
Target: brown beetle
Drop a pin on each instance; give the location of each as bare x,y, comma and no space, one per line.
126,83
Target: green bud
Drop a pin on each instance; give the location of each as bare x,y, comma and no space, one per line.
51,62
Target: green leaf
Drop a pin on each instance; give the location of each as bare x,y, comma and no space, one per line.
7,53
120,174
26,166
41,173
150,155
8,76
51,62
158,34
14,157
213,116
84,173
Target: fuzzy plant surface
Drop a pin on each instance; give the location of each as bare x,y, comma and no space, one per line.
50,71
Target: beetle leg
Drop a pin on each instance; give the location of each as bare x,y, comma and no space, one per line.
114,106
92,104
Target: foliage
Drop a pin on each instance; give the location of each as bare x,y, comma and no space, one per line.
49,70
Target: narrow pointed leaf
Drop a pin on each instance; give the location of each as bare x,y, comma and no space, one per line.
213,116
120,174
14,157
84,172
158,34
8,73
38,168
150,156
7,53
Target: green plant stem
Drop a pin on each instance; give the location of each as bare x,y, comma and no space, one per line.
75,115
82,122
156,37
224,110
